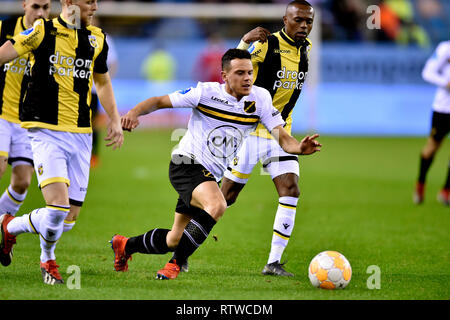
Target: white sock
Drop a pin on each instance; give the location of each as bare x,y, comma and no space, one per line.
10,201
28,223
282,227
51,228
68,225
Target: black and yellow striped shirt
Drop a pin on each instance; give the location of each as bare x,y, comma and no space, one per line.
280,65
63,62
13,75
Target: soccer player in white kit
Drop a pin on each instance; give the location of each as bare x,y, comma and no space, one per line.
222,116
437,72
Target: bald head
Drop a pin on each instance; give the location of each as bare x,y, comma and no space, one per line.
298,20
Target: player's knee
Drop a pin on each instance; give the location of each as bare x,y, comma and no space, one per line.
20,184
231,197
217,209
230,191
290,190
173,239
3,165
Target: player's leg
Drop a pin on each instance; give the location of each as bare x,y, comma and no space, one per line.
95,131
444,194
21,159
5,145
209,199
284,170
14,195
239,171
154,241
3,163
439,129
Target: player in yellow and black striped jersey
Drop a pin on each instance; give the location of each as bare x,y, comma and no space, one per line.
15,147
68,54
280,64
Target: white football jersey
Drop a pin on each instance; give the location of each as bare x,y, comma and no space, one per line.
437,72
219,123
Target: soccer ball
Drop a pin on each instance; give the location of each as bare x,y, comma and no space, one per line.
330,270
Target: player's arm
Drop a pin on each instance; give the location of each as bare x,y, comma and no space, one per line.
106,96
258,34
130,120
23,42
432,72
7,53
308,145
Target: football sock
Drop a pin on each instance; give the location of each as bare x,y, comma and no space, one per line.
447,182
151,242
27,223
68,225
195,233
282,227
424,166
10,201
51,229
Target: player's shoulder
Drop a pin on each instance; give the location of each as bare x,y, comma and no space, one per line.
209,86
443,47
260,93
96,32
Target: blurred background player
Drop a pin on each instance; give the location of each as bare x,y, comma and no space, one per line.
437,72
203,155
113,65
69,54
280,62
15,146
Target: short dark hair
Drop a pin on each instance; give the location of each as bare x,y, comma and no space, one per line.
232,54
300,2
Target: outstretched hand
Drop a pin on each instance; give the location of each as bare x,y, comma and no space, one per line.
129,121
259,33
310,145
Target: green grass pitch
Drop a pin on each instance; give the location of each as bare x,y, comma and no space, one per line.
356,198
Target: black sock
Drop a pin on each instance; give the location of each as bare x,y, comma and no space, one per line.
447,182
195,233
424,166
151,242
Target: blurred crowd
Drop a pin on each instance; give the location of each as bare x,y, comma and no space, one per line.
406,22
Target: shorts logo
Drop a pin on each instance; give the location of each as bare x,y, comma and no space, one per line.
93,41
224,141
236,160
249,106
207,174
40,169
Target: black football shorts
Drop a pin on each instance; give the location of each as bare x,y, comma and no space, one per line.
440,125
185,175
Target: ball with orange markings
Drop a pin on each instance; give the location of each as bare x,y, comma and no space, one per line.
330,270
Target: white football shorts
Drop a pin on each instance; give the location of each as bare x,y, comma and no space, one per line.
61,156
274,159
15,144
